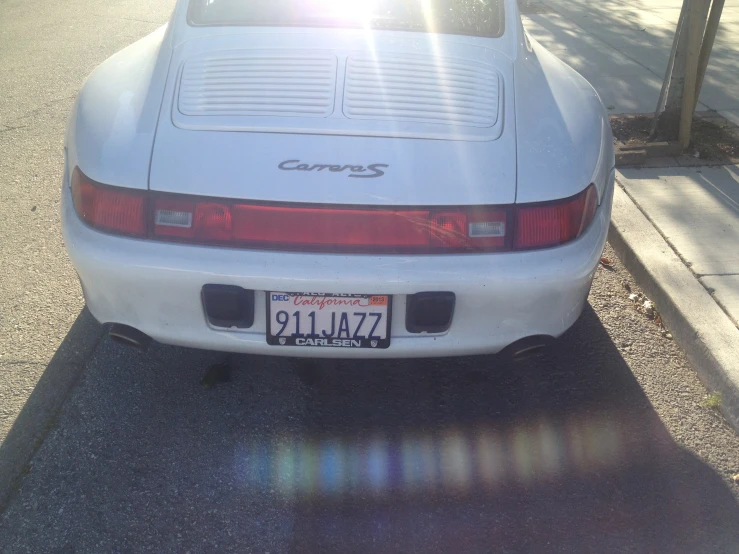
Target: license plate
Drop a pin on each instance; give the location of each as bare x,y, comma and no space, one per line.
328,320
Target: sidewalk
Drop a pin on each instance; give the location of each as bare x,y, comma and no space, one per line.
676,227
697,212
622,47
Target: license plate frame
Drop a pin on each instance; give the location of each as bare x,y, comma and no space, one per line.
369,342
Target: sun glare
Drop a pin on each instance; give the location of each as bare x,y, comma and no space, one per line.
359,12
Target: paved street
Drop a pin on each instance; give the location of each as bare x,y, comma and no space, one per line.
47,49
563,453
604,444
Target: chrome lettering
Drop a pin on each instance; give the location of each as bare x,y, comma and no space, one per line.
372,167
357,171
284,167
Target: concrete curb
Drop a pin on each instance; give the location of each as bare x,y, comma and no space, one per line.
701,328
40,411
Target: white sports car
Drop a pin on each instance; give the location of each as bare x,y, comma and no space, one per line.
338,178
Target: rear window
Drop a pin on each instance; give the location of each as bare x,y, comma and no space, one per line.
482,18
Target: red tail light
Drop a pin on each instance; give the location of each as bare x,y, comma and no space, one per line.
111,209
333,229
213,222
330,229
448,228
554,223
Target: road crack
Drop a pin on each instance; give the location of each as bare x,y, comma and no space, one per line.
34,111
121,18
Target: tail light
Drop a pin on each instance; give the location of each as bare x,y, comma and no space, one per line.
117,210
553,223
378,230
329,229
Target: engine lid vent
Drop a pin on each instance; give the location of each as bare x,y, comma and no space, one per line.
259,85
421,89
342,92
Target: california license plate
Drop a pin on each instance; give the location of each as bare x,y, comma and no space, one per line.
328,320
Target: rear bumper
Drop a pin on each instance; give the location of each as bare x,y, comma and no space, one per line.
500,298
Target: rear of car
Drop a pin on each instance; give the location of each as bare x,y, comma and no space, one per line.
305,178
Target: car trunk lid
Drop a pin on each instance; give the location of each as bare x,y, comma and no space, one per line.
411,121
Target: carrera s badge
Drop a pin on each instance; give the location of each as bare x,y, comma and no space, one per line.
358,171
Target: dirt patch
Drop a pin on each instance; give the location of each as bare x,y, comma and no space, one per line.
713,137
630,130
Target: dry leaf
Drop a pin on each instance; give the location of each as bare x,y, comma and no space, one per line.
606,262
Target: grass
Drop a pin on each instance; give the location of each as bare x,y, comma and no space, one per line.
713,401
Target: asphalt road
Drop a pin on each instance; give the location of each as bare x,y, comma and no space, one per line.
601,445
47,49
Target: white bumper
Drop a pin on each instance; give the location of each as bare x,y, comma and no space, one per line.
155,287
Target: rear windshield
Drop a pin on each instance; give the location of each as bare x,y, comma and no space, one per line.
482,18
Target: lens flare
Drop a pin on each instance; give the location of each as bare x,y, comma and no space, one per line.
377,465
285,470
308,469
490,458
357,12
455,460
332,468
419,463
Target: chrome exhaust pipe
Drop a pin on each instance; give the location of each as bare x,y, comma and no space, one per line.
527,347
128,336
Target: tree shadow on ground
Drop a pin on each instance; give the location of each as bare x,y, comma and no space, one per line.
623,48
695,209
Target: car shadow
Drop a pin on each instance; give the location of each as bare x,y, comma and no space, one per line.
42,406
559,453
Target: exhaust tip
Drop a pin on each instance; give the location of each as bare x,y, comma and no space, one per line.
527,347
128,336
